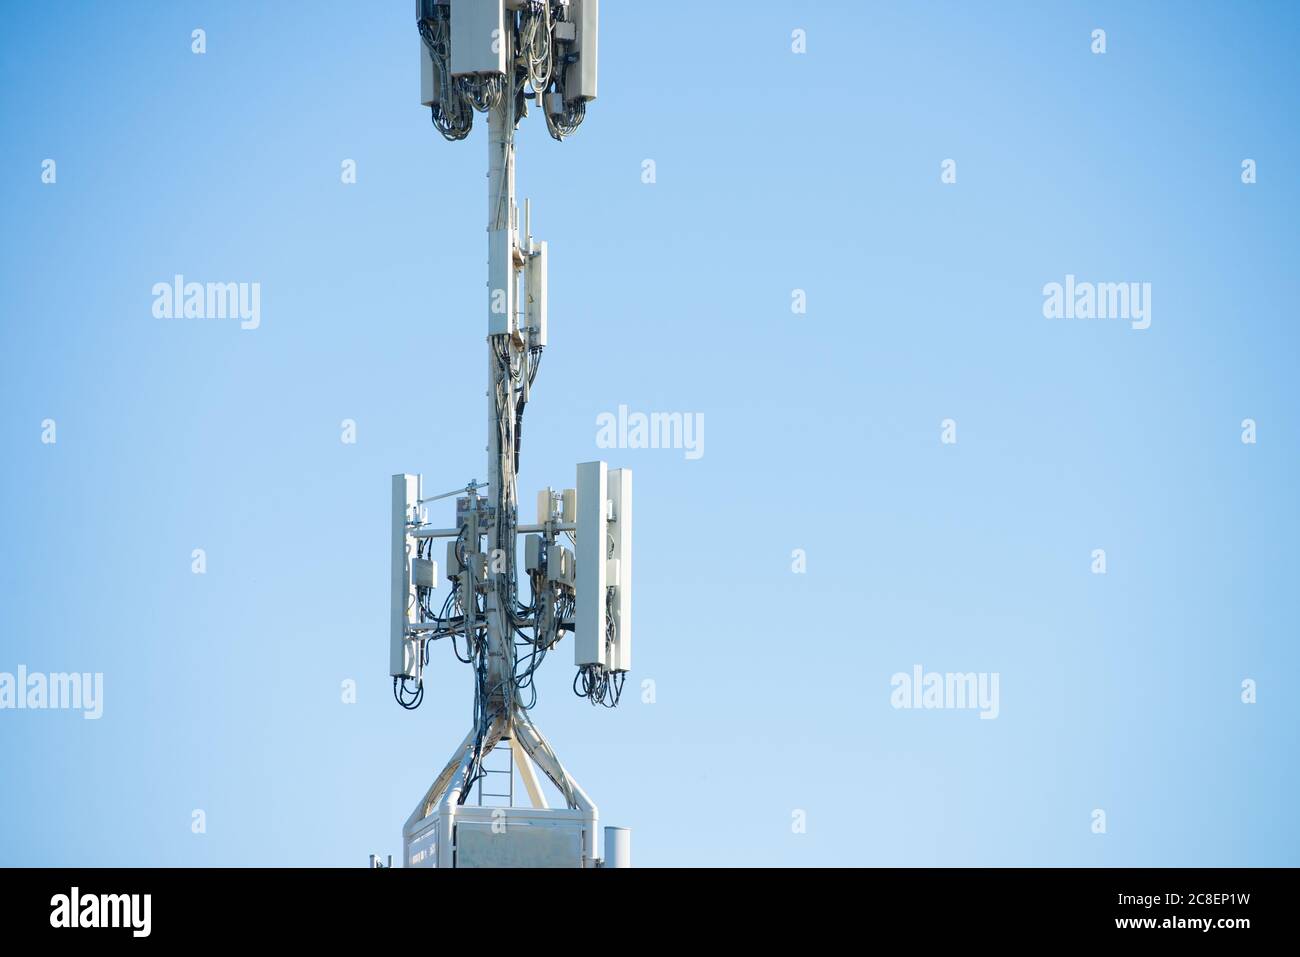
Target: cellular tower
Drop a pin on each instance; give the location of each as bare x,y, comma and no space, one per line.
504,58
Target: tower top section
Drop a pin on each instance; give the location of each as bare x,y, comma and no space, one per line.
473,53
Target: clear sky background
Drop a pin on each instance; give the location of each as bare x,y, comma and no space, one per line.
775,171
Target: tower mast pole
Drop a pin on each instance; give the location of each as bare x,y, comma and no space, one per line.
502,243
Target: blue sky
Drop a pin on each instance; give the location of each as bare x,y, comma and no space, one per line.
775,171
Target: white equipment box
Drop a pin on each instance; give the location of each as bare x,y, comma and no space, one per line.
502,837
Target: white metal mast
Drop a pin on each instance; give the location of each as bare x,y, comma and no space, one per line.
501,396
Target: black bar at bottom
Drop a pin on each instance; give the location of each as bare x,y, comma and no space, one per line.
402,907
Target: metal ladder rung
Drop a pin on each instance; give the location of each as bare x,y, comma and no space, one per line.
508,770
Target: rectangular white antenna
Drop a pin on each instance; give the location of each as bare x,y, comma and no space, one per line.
620,565
402,657
478,37
429,93
535,291
589,615
580,82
